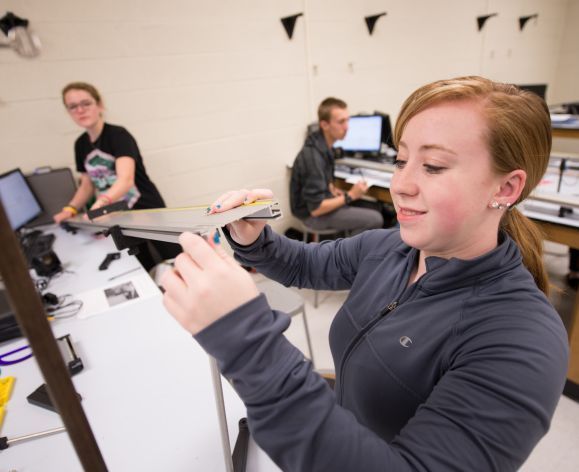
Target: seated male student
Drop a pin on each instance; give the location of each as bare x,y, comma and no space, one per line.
313,197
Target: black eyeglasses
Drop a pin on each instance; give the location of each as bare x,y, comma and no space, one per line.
83,104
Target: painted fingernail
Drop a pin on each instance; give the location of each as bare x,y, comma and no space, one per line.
208,209
216,238
218,205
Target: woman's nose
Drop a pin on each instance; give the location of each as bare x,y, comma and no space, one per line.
403,182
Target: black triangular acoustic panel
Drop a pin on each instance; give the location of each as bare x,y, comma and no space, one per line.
371,21
10,20
523,20
289,22
481,20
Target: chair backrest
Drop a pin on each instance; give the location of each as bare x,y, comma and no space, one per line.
54,188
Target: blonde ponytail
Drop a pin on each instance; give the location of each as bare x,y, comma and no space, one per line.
529,239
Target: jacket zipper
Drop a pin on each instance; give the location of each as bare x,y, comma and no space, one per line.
391,306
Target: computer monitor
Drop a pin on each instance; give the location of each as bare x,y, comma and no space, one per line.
364,135
386,129
20,204
539,89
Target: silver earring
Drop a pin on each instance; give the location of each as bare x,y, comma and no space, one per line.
499,206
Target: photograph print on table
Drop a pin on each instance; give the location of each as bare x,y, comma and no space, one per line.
121,293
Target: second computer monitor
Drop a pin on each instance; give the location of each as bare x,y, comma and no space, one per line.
538,89
387,134
20,203
364,135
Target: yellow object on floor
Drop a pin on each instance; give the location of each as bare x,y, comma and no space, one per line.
6,386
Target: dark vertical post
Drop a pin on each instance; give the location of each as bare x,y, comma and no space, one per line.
562,169
34,324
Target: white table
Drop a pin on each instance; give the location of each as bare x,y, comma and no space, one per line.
146,384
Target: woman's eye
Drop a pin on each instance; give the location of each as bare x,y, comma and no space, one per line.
433,169
399,163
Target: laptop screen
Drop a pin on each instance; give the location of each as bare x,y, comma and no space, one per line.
20,203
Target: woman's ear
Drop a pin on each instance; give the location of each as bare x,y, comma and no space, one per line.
511,187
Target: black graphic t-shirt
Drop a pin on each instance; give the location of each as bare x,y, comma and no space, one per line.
98,161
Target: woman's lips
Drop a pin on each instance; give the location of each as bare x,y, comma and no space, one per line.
410,212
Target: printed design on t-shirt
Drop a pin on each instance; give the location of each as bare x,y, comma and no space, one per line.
100,167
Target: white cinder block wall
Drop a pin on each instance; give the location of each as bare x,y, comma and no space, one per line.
217,95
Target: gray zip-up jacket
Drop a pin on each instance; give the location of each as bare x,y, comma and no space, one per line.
461,371
312,173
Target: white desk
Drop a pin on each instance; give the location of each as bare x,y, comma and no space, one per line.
146,384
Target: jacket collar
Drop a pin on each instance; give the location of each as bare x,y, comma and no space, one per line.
317,140
442,274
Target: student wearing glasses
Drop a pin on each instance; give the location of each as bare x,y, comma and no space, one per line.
448,354
109,161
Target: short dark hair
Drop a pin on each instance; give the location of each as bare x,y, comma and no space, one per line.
326,107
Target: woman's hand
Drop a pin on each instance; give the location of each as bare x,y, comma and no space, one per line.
62,215
244,232
98,204
205,284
